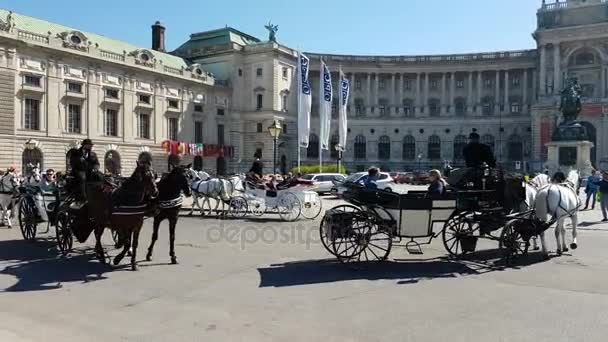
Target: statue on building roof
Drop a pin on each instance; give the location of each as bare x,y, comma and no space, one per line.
7,25
272,31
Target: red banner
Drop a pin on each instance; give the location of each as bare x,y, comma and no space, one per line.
218,151
546,131
207,150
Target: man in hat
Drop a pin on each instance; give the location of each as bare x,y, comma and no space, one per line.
84,163
476,153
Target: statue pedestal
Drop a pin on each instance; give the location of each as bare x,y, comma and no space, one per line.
567,155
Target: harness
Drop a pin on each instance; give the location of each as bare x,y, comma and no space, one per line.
172,203
570,187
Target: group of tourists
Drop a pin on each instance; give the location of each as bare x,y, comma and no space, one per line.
597,189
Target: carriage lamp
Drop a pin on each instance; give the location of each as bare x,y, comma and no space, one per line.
275,131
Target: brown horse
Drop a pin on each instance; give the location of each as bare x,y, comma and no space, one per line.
123,210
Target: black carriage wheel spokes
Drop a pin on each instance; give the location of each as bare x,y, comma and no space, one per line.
27,219
331,239
63,232
511,242
457,228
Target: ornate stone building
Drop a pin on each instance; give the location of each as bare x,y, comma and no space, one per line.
405,112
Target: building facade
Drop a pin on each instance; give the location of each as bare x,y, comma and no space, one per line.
405,112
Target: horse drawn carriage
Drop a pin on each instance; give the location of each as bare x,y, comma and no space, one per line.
367,228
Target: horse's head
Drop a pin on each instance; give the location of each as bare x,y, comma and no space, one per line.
181,177
144,175
11,181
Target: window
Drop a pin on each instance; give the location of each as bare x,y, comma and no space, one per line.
408,108
32,81
515,149
409,148
111,93
258,152
173,126
383,107
259,72
584,58
515,107
31,114
360,147
75,87
198,132
143,126
260,128
284,103
434,148
382,84
111,123
357,84
220,134
313,146
487,105
488,139
173,104
285,73
488,83
74,118
459,83
459,143
284,129
260,101
515,82
384,148
434,107
198,108
198,163
144,99
220,111
460,107
359,107
240,72
333,143
433,84
408,84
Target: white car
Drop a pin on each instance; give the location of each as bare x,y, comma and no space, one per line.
384,182
323,182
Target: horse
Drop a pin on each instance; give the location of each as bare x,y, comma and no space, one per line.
170,190
196,177
221,190
560,201
123,210
9,184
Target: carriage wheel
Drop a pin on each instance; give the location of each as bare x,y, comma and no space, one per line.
289,207
238,207
458,235
258,208
312,208
367,240
511,243
326,224
63,232
206,209
28,219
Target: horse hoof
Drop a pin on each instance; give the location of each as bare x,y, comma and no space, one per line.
134,268
117,261
573,245
148,258
566,249
559,253
174,261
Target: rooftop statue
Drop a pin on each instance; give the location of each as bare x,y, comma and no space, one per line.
272,31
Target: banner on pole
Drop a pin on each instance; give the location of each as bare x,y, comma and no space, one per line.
342,114
325,98
304,100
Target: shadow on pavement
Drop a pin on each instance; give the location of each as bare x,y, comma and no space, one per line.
39,266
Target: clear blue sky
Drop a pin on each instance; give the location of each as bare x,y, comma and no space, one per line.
330,26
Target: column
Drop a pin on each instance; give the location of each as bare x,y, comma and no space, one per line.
534,86
376,96
418,95
479,85
392,92
452,91
506,108
497,92
425,100
369,93
400,90
603,80
557,73
543,71
443,92
351,97
525,91
470,101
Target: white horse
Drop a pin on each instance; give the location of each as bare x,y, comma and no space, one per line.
9,183
560,201
221,190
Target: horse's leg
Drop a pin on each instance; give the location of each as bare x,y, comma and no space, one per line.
126,234
574,219
563,235
172,224
100,254
557,236
157,221
543,243
136,231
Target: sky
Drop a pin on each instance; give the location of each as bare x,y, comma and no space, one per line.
369,27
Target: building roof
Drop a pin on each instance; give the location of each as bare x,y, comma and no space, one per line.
214,38
43,27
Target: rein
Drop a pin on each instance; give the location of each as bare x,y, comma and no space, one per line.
570,187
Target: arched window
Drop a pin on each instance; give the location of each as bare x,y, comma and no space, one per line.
360,147
313,146
112,163
333,143
488,139
384,148
409,148
359,107
434,107
459,143
68,156
584,58
487,105
408,108
198,163
460,106
434,147
383,108
31,158
515,148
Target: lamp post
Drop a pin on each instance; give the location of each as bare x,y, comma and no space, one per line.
275,131
419,162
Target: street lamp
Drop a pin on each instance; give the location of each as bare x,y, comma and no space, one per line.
419,161
275,131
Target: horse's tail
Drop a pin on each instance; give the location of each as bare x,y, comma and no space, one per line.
541,204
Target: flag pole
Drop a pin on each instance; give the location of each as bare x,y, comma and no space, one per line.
320,118
298,99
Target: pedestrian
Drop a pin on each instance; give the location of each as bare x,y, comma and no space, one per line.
603,189
438,184
591,189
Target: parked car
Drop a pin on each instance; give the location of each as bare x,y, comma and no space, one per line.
323,182
421,178
401,177
384,182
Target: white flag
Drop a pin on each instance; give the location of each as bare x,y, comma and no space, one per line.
325,98
304,101
343,105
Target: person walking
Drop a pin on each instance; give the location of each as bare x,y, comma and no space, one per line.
603,189
591,189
